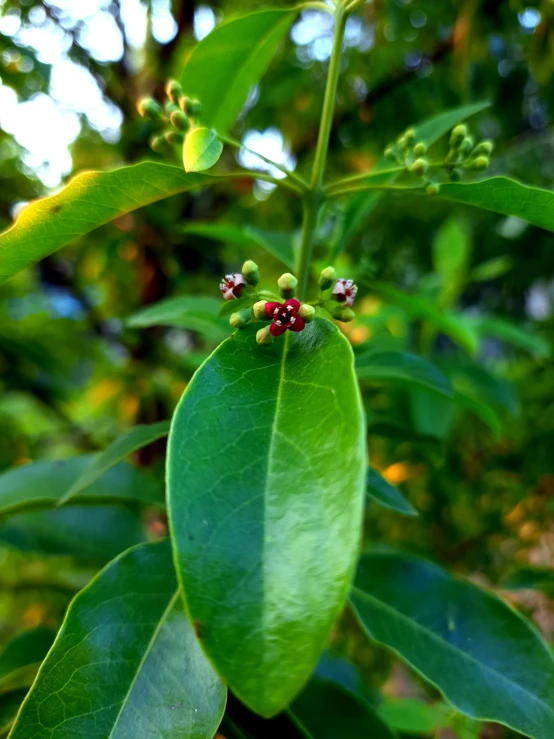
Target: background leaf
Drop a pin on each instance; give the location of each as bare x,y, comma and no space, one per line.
403,368
387,495
196,313
246,525
484,657
137,654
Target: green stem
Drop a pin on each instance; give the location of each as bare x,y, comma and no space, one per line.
368,176
368,188
313,198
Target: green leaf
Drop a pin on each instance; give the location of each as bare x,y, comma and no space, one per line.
451,251
484,657
387,495
228,307
457,326
91,532
530,578
195,313
27,649
412,716
491,269
359,206
44,484
279,245
323,710
126,662
88,201
266,530
202,150
521,337
9,706
226,64
403,368
506,196
136,438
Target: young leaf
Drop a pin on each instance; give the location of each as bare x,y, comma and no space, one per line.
483,656
202,150
126,640
136,438
226,64
266,530
491,269
506,196
194,313
43,484
409,369
323,710
86,202
387,495
278,244
228,307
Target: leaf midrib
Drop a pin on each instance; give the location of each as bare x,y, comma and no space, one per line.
453,648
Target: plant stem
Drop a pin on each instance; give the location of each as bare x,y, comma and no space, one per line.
367,188
313,198
368,176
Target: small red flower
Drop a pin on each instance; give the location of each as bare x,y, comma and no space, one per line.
285,316
345,291
232,286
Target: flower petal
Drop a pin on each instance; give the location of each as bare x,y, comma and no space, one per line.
277,330
298,325
294,302
270,308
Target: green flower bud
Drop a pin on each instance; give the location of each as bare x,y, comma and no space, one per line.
240,318
456,174
158,144
264,336
173,90
148,108
260,312
342,313
169,109
327,278
453,155
402,143
180,121
287,285
481,163
432,189
174,138
307,312
419,149
409,135
250,272
389,152
466,146
192,108
458,135
419,167
484,147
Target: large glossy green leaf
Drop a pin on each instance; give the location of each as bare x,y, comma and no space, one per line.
403,368
506,196
88,201
136,438
483,656
266,482
43,484
387,495
278,244
359,206
195,313
226,64
323,710
126,662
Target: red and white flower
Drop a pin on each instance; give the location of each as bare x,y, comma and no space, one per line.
345,291
284,316
232,286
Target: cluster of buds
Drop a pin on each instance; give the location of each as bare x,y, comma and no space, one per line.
465,154
178,115
288,314
409,153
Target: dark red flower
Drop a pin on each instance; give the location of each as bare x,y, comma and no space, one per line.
284,316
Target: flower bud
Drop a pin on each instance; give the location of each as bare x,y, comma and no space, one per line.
409,136
481,163
287,285
174,137
264,336
259,311
327,278
466,146
402,143
307,312
169,109
342,313
456,174
158,144
389,152
420,149
240,318
173,90
192,108
453,155
419,167
432,189
250,272
484,147
148,108
458,135
180,121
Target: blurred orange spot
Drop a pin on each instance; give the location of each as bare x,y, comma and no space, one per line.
358,334
177,389
125,222
34,615
128,251
128,406
529,531
104,390
516,515
369,306
398,472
